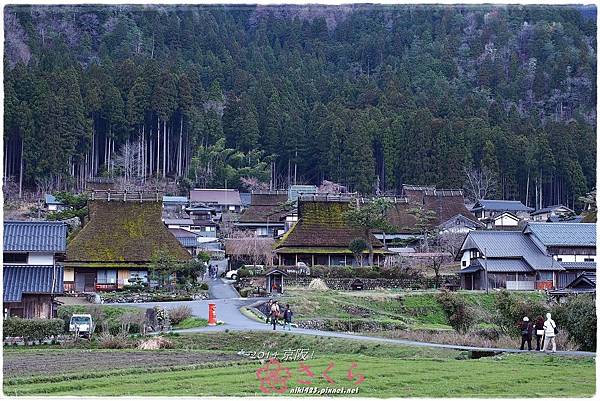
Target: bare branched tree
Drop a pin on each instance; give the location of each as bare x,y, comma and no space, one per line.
246,245
253,184
479,183
451,241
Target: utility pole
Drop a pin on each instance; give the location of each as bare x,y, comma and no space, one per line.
487,283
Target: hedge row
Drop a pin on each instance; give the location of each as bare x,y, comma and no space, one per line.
33,329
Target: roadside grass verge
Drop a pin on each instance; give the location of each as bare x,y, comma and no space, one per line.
191,322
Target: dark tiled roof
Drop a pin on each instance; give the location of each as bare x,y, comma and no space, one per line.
30,279
246,198
51,200
549,209
504,265
216,196
563,234
123,232
579,265
35,236
273,207
322,224
588,279
501,205
560,219
188,242
510,245
175,200
180,232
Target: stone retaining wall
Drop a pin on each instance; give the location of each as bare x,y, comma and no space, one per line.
368,283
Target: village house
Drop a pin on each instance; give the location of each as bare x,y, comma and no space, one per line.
449,214
185,224
32,267
52,204
584,283
573,245
204,220
266,215
322,235
173,206
223,200
117,244
501,214
555,211
542,255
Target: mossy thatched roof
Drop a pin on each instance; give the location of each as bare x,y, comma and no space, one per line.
123,232
322,224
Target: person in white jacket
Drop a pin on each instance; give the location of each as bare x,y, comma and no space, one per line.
549,333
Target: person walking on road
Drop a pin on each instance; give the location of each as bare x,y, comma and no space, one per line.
287,317
526,331
269,304
274,313
539,332
550,332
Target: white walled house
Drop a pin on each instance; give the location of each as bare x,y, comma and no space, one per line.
555,211
33,274
542,255
487,210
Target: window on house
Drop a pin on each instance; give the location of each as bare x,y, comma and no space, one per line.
588,259
232,208
15,257
464,263
138,275
559,259
106,276
544,276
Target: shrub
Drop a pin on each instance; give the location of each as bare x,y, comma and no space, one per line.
179,313
204,286
110,341
457,311
577,316
244,292
33,329
510,311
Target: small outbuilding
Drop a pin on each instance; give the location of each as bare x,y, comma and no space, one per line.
274,282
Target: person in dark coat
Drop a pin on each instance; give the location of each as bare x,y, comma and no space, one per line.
539,332
269,310
526,331
287,317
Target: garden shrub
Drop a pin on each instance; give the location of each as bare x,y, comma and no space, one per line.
32,329
244,292
459,314
179,313
578,318
511,310
204,286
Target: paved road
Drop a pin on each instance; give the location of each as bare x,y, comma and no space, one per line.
228,312
217,287
228,304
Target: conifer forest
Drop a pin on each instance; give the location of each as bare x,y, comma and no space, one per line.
370,97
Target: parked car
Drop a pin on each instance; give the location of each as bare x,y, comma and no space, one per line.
231,275
82,325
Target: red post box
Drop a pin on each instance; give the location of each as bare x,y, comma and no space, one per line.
212,314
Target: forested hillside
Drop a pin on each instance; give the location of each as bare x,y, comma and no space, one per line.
369,97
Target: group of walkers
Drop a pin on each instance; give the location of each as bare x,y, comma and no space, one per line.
213,271
545,332
274,313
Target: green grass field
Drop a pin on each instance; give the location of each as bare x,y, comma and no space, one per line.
389,370
414,309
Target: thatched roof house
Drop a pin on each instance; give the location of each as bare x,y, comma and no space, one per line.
322,236
118,243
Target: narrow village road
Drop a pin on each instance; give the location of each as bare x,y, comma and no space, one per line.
228,304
